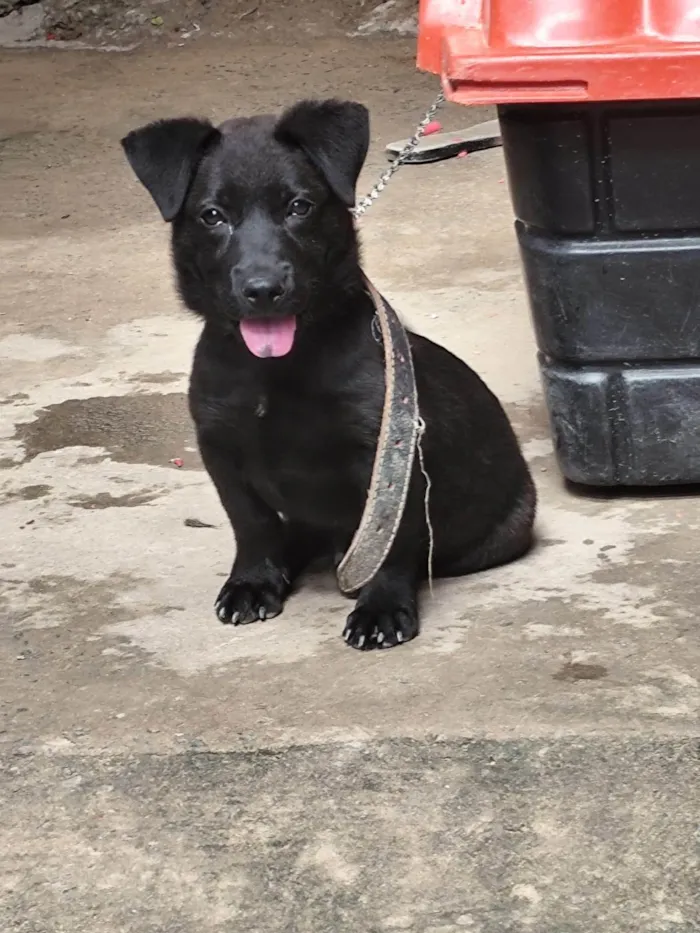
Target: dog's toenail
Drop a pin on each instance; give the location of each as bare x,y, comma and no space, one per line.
360,641
399,636
262,613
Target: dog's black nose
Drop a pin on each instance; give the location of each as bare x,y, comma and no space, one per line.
263,291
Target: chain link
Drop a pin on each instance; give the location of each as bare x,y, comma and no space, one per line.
366,202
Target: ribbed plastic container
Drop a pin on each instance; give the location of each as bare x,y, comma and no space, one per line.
599,106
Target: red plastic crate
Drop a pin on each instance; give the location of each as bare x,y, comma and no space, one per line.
538,51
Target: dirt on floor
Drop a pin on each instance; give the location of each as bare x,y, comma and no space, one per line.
125,23
62,114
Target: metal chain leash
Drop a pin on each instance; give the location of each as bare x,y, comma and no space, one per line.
366,202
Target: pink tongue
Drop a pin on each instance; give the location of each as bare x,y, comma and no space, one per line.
270,336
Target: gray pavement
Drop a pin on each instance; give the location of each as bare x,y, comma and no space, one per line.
529,763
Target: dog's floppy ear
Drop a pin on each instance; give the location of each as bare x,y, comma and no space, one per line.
164,156
334,136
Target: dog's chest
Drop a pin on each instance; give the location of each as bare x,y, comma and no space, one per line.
309,456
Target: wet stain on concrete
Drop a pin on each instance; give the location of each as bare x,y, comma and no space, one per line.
27,493
156,378
146,428
50,600
97,458
17,397
105,500
576,670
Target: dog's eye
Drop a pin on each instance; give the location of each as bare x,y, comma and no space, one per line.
211,217
299,207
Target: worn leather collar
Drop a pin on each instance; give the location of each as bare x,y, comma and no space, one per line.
393,460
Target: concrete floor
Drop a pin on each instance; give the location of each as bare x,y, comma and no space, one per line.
529,763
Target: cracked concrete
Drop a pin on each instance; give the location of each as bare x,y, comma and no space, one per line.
530,762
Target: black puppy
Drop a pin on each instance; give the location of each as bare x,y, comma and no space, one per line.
287,384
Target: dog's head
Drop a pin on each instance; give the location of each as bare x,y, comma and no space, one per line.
262,231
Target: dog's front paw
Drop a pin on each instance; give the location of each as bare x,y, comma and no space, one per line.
258,594
380,625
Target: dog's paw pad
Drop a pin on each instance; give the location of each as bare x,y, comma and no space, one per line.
240,602
366,629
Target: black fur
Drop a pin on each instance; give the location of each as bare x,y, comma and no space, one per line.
289,442
164,156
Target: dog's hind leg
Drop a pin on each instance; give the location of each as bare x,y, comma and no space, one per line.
510,539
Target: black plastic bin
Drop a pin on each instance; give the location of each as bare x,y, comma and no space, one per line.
607,200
